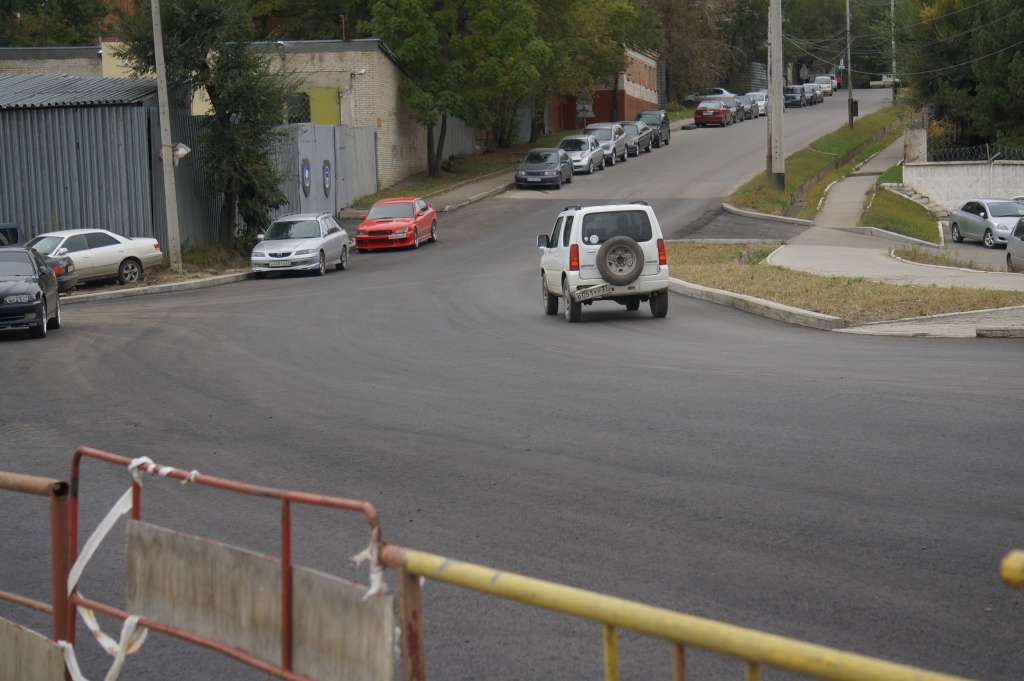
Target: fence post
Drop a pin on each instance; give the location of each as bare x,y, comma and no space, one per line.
60,560
678,662
414,662
611,654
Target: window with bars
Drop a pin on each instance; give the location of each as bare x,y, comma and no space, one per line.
299,108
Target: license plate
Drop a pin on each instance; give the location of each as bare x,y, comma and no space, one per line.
279,264
592,292
394,237
533,179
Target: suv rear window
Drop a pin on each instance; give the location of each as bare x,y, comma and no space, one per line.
599,227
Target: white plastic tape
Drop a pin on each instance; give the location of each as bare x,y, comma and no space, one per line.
123,505
132,636
377,585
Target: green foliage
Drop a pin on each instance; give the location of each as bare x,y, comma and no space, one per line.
310,19
25,23
903,216
893,175
207,47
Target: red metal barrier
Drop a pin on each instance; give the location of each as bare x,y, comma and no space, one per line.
60,562
284,496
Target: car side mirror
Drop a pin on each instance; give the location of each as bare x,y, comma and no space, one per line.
259,237
519,160
542,241
62,251
43,269
983,214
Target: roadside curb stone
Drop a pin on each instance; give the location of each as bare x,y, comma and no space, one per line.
736,210
758,306
159,288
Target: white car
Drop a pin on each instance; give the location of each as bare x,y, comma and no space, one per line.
585,152
99,254
305,242
614,253
826,84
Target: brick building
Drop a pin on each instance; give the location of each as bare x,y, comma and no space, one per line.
632,91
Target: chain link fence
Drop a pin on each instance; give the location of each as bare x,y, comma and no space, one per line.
984,152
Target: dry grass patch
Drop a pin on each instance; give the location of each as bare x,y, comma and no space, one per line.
724,266
928,256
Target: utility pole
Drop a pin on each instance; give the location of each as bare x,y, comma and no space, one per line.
850,104
166,148
46,25
776,151
892,36
768,98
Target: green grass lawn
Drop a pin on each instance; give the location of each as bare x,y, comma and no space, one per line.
900,215
893,175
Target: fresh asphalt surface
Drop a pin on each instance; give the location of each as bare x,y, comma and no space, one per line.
852,491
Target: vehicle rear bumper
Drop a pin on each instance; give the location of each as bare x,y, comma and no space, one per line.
645,285
66,282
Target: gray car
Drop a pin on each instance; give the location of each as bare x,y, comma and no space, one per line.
750,107
761,99
990,220
544,168
715,93
612,139
305,242
738,114
638,137
585,151
1015,249
657,121
811,92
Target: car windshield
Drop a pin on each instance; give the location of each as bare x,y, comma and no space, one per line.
824,80
599,227
600,133
541,157
297,229
731,103
45,244
755,95
15,265
631,129
793,90
710,105
745,100
574,145
650,118
1006,209
384,211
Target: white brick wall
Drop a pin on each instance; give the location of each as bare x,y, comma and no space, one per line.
951,184
83,68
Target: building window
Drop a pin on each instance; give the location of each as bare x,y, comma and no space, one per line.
298,108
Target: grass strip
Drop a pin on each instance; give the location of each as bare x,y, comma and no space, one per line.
463,169
856,300
893,175
682,113
928,256
758,194
903,216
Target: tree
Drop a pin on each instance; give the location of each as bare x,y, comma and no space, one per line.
311,19
207,46
30,23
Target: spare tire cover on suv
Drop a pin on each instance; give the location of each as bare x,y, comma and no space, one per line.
620,260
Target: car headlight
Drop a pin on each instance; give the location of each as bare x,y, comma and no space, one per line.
521,173
307,251
550,173
23,298
402,230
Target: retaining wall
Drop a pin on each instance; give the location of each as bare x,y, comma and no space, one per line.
951,184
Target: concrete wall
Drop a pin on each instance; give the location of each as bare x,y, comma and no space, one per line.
951,184
83,62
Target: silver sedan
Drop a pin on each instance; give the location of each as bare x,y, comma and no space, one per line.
990,220
304,242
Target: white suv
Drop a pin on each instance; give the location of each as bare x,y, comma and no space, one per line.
612,253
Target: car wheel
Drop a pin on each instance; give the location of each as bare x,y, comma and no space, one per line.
590,167
549,301
620,260
625,155
657,143
573,309
433,232
259,275
558,185
415,238
601,167
666,140
989,239
612,162
633,304
128,272
55,322
659,304
321,270
39,331
568,180
955,233
343,263
1009,263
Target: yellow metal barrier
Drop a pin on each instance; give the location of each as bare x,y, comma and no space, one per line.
1012,569
755,647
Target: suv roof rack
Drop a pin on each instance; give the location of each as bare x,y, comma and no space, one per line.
577,207
639,203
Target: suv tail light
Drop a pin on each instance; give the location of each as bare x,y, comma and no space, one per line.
574,258
662,257
156,246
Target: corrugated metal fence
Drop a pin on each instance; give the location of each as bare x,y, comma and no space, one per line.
459,138
361,161
71,168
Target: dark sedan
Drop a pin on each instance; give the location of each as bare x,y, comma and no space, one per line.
638,137
28,292
64,268
544,168
794,95
737,111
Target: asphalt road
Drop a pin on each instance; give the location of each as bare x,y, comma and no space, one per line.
852,491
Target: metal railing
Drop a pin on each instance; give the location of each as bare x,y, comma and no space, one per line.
984,153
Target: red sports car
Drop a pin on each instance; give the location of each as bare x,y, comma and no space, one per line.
397,223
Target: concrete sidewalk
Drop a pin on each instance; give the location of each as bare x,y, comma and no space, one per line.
844,204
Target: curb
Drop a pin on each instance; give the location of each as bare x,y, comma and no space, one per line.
1000,332
892,254
765,216
758,306
886,234
942,315
480,197
160,288
724,241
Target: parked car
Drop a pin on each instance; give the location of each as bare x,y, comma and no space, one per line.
826,84
614,253
716,93
657,121
99,254
990,220
712,113
638,137
544,168
750,107
585,152
1015,249
762,101
1019,199
812,93
795,96
64,269
10,234
28,292
396,223
738,116
820,91
304,242
612,139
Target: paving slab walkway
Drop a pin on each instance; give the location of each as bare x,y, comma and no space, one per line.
957,325
844,203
